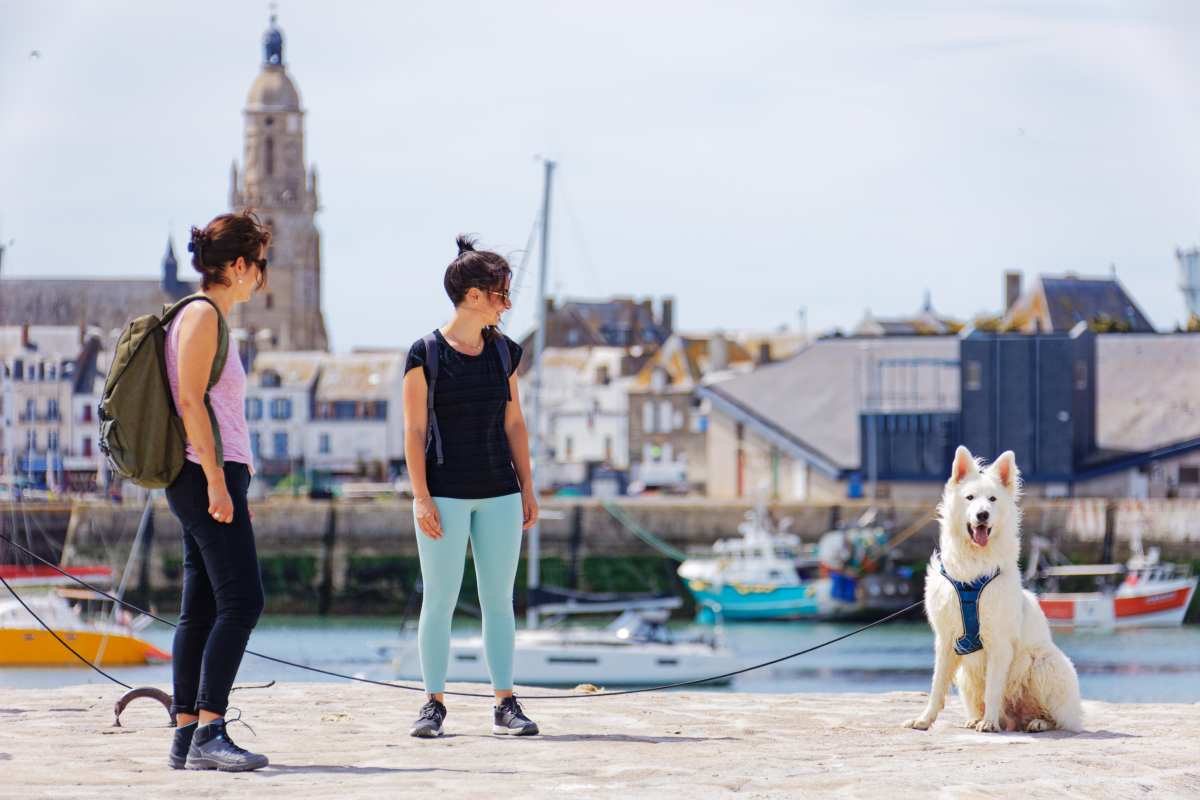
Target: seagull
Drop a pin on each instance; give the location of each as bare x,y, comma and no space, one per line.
35,54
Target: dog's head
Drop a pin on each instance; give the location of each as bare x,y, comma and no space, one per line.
980,502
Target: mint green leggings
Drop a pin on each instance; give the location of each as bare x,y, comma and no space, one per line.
493,526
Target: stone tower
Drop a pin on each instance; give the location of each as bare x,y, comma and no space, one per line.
275,183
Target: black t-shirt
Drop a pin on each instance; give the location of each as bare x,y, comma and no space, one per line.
470,399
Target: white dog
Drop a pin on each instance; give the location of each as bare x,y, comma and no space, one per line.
990,635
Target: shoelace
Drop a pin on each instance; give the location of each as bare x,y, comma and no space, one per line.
511,704
430,711
225,733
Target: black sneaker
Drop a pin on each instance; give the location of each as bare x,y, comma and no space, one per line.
511,719
429,723
180,745
213,749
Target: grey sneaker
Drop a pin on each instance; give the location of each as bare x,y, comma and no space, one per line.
510,719
180,746
213,749
429,723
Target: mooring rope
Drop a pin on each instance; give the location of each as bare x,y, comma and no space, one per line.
572,696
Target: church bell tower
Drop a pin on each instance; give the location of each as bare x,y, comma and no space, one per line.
275,183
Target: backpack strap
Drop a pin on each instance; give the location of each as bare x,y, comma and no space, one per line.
505,359
431,364
218,365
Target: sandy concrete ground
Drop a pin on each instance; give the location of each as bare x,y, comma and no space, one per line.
351,741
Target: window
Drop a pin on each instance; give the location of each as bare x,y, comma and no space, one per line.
87,446
31,440
52,440
87,414
281,408
255,442
281,445
323,445
52,373
270,299
30,409
52,409
974,376
269,156
271,379
570,447
658,380
381,409
1189,474
648,416
608,442
666,416
345,409
253,408
698,423
572,338
1081,377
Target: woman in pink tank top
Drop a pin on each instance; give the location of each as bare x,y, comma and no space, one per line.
222,588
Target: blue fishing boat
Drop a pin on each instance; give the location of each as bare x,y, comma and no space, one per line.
768,574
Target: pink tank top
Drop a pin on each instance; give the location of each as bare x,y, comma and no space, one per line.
228,397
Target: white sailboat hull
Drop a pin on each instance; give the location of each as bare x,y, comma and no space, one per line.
548,658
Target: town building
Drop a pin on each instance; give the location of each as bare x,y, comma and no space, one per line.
48,396
926,322
323,417
668,422
1058,304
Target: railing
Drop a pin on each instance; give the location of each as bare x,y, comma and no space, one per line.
51,417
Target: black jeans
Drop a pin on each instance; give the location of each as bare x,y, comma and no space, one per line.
222,590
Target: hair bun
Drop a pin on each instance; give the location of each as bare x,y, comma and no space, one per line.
465,244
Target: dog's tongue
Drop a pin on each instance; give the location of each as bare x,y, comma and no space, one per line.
980,534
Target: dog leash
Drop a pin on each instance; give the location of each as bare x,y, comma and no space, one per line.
421,689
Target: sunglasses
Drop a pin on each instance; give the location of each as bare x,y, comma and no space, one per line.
502,295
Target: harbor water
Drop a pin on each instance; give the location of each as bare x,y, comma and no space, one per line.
1160,665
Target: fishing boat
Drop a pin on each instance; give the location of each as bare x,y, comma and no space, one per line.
1144,592
105,642
769,574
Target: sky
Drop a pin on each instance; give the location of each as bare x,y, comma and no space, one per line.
749,159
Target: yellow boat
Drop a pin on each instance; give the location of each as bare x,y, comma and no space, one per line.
25,643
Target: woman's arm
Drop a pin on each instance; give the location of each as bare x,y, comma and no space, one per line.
416,427
198,335
518,446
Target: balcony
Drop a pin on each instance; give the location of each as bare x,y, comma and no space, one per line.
53,417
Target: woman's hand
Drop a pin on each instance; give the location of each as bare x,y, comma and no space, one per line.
220,504
530,504
428,519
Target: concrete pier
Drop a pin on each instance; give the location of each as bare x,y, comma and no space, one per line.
344,740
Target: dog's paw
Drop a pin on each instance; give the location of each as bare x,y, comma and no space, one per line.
1038,725
920,723
971,723
987,725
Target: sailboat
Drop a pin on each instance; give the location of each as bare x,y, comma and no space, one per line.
636,649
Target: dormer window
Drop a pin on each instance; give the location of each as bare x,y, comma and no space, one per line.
271,379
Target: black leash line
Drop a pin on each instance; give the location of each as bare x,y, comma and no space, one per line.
421,688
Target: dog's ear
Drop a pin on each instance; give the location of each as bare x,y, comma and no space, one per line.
964,465
1005,470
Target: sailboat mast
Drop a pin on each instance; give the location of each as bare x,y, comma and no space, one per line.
539,344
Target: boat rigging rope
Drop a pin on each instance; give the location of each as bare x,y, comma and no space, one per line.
421,688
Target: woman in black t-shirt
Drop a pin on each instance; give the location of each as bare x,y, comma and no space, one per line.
471,481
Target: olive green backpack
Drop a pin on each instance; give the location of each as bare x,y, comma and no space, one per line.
141,431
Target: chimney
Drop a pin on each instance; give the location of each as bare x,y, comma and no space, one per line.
718,352
668,315
1012,290
25,336
764,353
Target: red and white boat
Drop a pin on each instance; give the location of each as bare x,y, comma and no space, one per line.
1149,594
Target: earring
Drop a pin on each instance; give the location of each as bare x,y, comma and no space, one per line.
240,280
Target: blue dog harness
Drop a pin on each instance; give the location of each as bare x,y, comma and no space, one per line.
968,602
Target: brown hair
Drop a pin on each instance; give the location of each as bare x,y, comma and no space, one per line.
475,269
223,241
